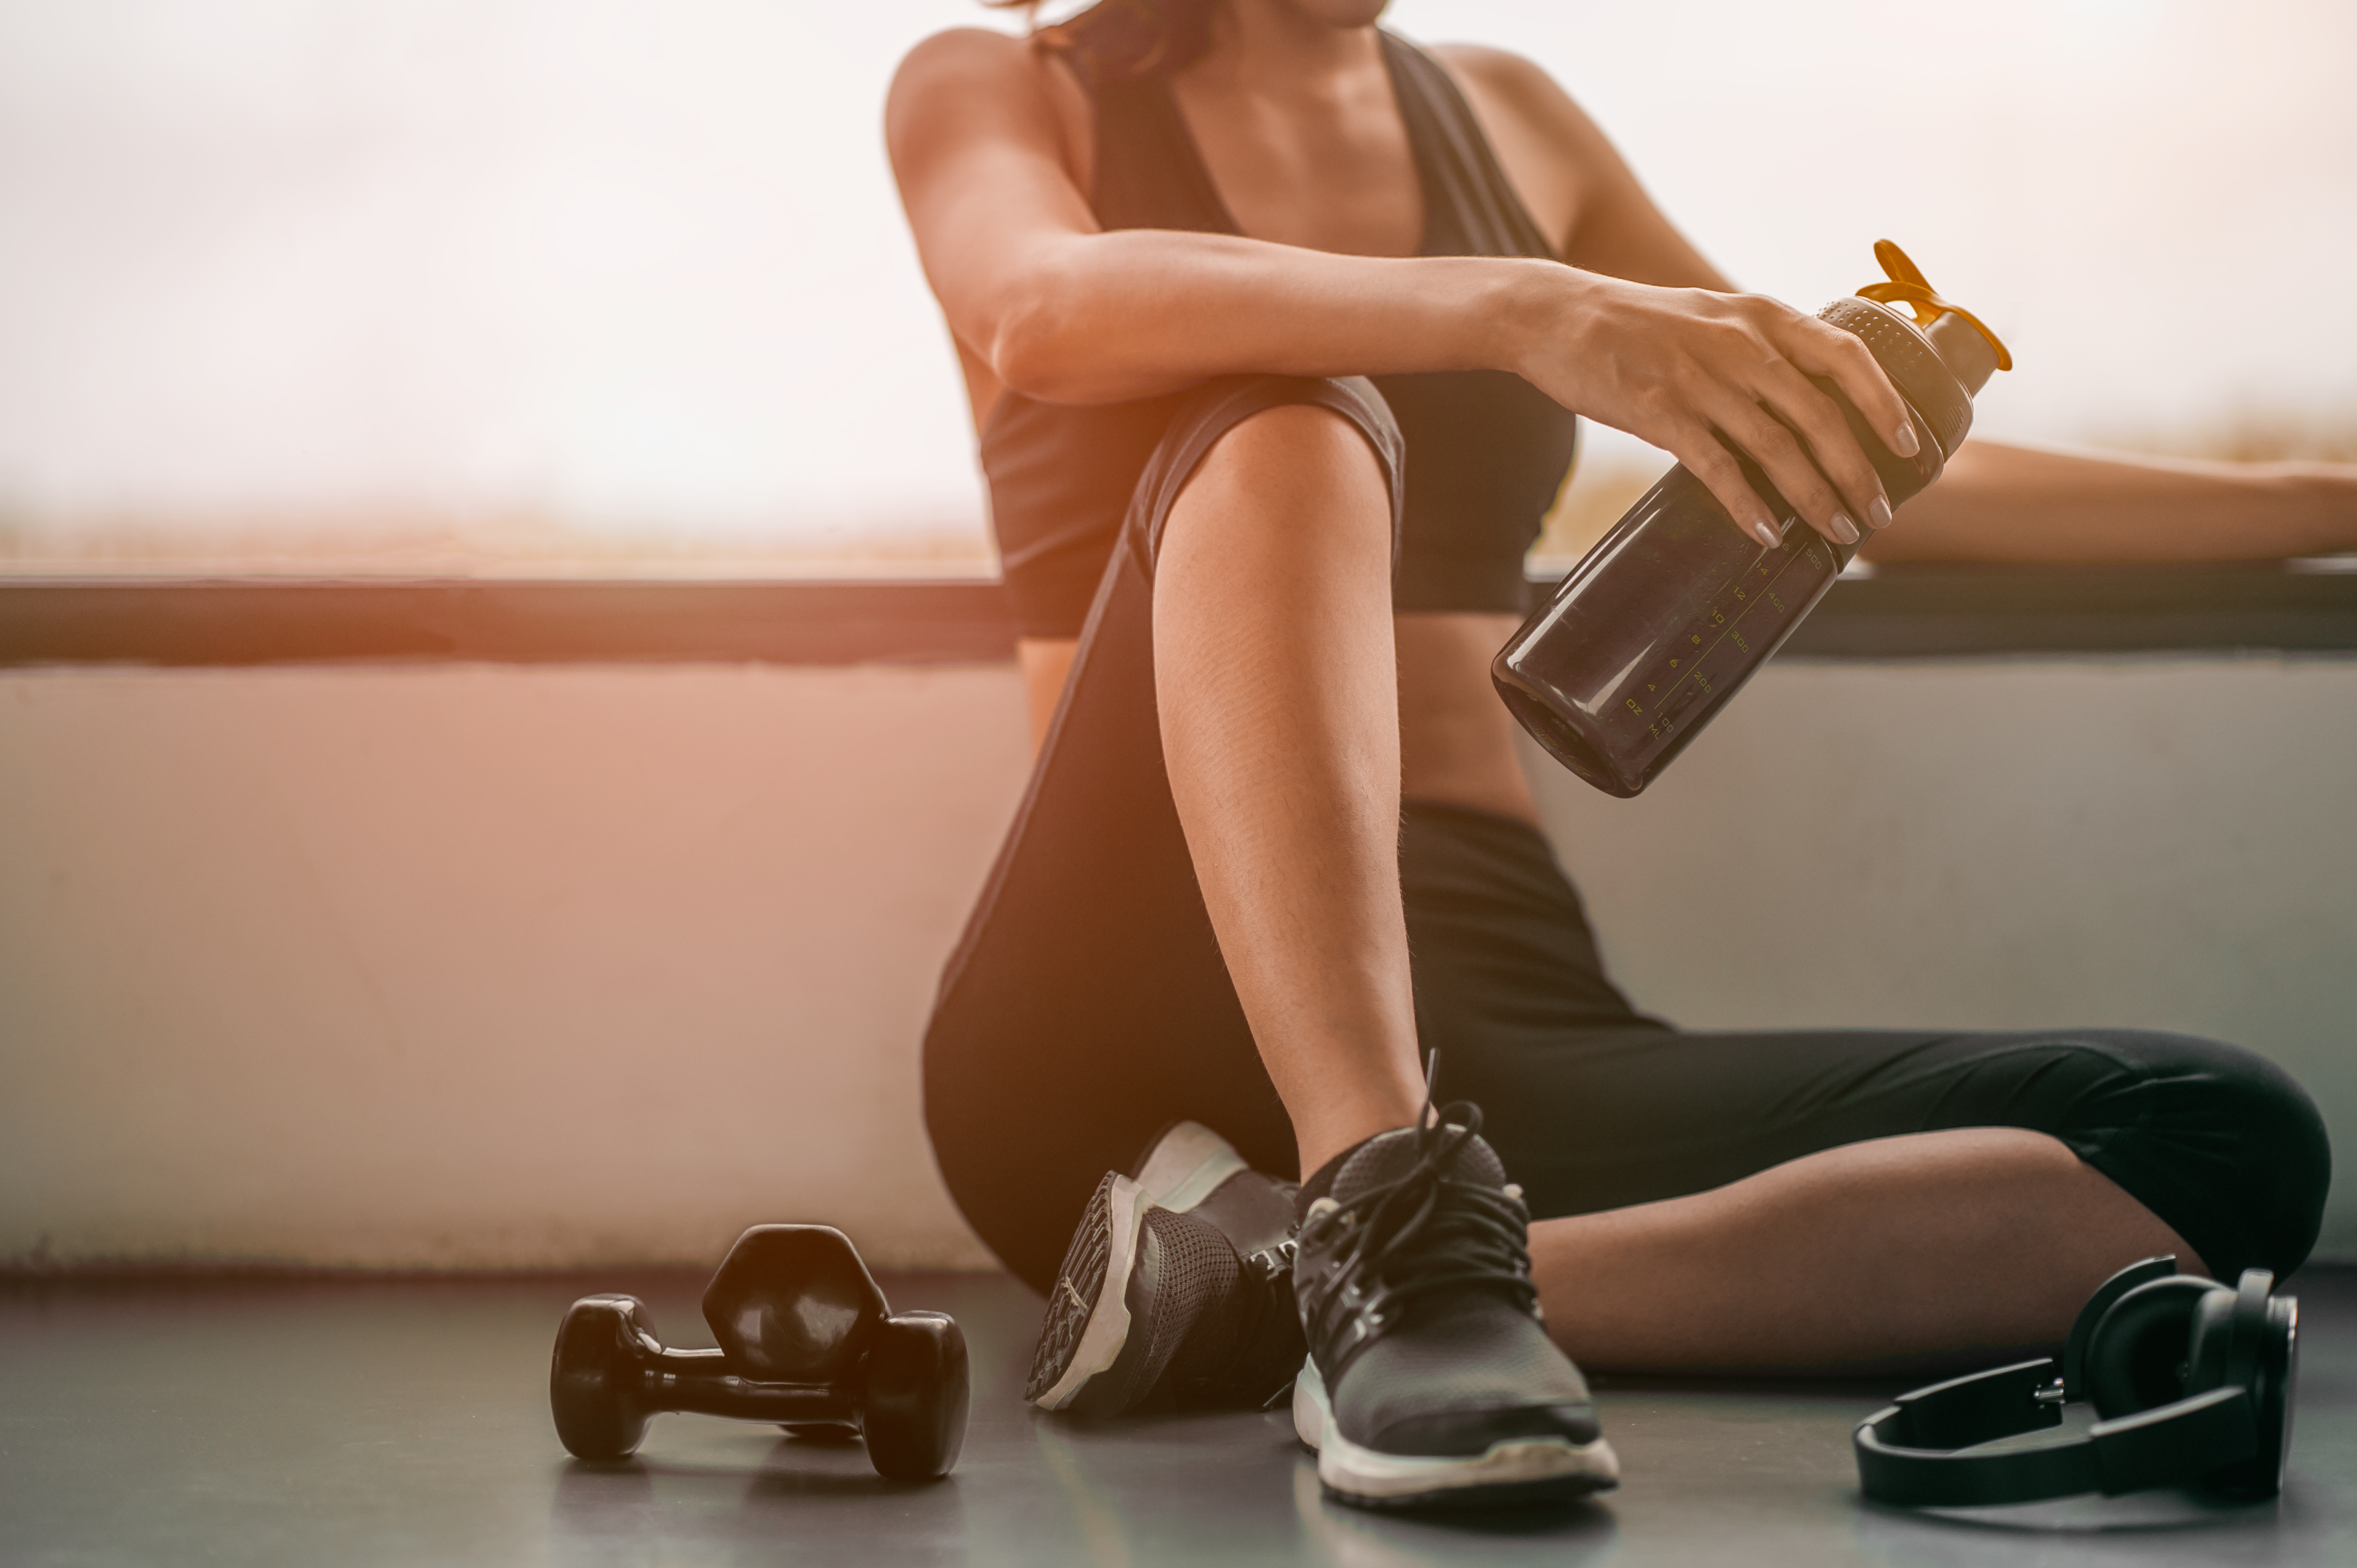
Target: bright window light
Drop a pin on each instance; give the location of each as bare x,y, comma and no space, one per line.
537,286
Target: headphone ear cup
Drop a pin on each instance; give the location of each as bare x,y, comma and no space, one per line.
2272,1377
2210,1346
2138,1355
2082,1327
2228,1332
2253,1306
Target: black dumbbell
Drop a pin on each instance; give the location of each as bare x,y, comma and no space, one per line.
806,1341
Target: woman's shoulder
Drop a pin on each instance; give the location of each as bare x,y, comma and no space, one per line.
961,80
961,62
958,55
1502,67
1503,83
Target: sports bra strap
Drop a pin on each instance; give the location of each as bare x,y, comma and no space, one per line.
1478,212
1150,174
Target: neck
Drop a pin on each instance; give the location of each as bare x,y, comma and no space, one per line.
1266,43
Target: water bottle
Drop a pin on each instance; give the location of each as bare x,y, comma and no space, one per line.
1662,622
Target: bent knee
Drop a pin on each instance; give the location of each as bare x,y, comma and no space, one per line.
1291,496
1312,459
1319,459
2217,1140
1294,433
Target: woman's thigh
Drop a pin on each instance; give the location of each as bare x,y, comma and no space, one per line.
2219,1142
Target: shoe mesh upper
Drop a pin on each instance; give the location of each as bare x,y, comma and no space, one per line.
1418,1305
1204,1324
1463,1375
1230,1333
1194,1273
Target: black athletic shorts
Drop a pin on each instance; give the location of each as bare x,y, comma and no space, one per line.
1087,1007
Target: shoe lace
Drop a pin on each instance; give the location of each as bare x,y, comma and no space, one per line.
1425,1231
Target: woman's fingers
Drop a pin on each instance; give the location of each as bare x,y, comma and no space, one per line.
1787,463
1798,435
1833,448
1699,449
1820,349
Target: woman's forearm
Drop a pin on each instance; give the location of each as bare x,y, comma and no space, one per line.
1102,318
2001,502
1061,310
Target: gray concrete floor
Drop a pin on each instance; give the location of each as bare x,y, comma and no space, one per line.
356,1423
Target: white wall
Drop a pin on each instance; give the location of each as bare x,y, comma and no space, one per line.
475,966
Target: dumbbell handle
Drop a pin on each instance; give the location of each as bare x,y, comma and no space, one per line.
700,1381
906,1396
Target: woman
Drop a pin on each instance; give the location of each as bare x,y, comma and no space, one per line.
1258,593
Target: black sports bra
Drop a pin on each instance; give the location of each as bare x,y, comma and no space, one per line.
1486,451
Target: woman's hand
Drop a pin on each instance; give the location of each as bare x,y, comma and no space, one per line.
1683,367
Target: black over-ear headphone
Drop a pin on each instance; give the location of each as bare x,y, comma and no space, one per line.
2192,1383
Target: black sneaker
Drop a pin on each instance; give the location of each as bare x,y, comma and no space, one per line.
1431,1382
1179,1278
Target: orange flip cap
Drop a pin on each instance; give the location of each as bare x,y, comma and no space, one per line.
1908,286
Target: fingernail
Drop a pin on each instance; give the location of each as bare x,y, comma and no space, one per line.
1768,534
1878,513
1845,530
1906,446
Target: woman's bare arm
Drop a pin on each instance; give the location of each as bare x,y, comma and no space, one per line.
2001,502
1065,312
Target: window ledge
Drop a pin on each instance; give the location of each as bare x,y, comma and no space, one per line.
1898,613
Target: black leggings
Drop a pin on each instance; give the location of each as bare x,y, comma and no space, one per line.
1087,1006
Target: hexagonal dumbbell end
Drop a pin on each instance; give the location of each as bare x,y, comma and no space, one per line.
793,1304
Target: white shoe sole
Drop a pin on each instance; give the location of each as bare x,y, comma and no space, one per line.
1108,1325
1188,1165
1515,1470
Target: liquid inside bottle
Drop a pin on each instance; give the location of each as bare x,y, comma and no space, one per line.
1660,623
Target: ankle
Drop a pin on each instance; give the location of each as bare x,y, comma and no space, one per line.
1324,1144
1320,1183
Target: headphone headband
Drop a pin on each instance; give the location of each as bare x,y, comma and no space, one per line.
2231,1423
1906,1453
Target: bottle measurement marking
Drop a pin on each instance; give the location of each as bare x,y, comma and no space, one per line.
1691,682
